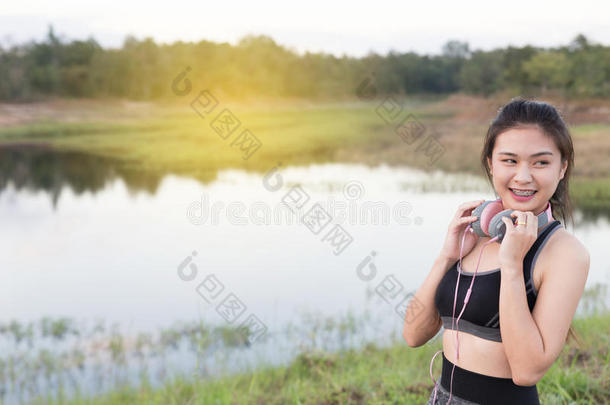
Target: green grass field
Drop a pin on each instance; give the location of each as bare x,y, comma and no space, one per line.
393,375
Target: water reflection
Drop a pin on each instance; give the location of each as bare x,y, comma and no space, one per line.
40,167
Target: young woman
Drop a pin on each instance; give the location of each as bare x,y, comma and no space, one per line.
525,289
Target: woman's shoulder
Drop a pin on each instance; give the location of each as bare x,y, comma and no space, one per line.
563,245
565,257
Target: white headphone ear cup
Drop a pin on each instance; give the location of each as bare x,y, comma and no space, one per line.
497,227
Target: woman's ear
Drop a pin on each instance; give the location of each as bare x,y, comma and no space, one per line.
564,167
489,165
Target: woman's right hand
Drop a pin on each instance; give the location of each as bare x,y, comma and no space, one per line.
451,248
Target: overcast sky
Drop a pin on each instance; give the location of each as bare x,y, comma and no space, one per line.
338,27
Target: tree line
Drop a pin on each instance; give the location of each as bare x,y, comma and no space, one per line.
258,66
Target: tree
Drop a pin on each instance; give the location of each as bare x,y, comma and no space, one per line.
548,69
456,50
579,43
482,73
513,75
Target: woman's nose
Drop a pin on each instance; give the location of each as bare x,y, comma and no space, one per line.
523,173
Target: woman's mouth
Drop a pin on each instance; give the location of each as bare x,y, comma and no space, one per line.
522,195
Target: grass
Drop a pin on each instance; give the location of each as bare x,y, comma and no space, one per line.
185,143
396,374
591,195
589,129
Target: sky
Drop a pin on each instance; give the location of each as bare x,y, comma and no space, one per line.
338,27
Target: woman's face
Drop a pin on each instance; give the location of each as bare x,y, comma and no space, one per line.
523,159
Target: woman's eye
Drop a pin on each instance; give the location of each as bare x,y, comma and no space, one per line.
544,163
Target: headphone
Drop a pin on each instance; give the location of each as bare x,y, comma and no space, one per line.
488,223
489,219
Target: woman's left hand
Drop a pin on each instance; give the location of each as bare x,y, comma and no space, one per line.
517,240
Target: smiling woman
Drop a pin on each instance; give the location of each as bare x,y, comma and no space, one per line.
530,283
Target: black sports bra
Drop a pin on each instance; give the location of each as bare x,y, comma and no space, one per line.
482,314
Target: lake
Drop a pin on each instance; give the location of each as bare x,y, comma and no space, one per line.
86,238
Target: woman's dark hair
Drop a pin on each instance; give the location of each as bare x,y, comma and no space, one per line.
520,112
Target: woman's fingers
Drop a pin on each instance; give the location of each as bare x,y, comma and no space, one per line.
467,206
532,222
459,222
527,219
519,217
467,219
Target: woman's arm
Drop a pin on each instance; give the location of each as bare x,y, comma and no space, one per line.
532,341
422,320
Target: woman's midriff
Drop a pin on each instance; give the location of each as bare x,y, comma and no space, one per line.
477,354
